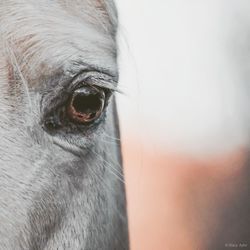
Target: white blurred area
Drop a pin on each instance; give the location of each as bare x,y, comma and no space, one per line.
185,73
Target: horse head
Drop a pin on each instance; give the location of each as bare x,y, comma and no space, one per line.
61,177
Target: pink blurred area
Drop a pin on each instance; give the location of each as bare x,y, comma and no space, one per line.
173,200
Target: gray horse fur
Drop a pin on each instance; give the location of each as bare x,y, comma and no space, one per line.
60,190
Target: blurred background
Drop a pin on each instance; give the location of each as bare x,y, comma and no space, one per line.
185,122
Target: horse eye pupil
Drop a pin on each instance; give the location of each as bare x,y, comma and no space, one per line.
86,105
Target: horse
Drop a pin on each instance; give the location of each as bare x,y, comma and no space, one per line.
61,176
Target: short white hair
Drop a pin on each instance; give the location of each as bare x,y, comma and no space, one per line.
51,34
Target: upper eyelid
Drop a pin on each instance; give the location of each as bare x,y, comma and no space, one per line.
97,79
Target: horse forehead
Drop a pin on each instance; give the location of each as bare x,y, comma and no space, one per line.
79,6
60,17
54,32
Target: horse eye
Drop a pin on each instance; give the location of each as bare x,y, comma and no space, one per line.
86,105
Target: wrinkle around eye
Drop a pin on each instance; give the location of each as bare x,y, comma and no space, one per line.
68,147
